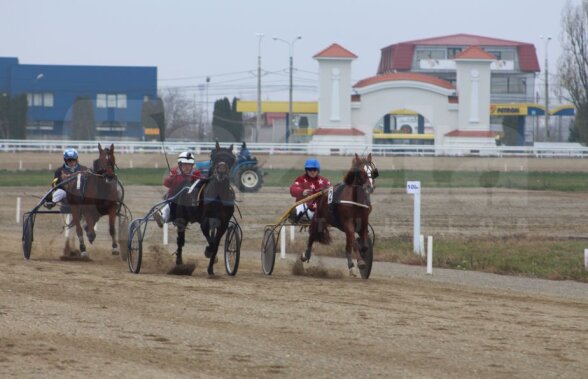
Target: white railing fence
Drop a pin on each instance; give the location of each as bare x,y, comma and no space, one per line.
129,147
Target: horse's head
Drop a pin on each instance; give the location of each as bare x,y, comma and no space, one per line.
106,162
365,172
222,160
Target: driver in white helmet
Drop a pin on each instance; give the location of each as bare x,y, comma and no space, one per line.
183,174
70,166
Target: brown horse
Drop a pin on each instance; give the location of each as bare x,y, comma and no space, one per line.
95,194
346,207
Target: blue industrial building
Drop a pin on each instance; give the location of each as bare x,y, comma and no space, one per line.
117,94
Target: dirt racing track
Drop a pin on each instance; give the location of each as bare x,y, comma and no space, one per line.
95,319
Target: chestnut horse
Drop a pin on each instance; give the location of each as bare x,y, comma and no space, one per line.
212,207
93,195
346,207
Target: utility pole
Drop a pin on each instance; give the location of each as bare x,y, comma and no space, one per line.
291,50
207,81
258,120
546,39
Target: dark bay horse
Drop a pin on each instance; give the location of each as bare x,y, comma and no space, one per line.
94,194
212,206
347,207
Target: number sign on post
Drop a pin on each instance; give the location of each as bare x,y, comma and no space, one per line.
414,188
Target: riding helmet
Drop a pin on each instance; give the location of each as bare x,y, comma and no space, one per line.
70,154
312,163
186,157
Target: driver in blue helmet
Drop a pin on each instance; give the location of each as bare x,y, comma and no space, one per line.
305,185
70,166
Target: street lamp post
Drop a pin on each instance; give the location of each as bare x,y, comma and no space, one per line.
207,81
546,39
258,120
291,49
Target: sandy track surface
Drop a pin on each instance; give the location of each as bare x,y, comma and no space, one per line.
95,319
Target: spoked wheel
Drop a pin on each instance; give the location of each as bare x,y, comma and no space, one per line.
27,236
232,248
368,257
268,251
135,247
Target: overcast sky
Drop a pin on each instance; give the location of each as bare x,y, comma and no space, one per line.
190,40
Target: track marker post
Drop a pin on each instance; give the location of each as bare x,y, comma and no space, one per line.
414,188
165,233
586,259
283,242
18,201
430,255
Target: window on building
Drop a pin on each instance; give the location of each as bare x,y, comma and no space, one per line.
121,100
453,51
44,99
47,99
429,54
510,84
111,100
101,100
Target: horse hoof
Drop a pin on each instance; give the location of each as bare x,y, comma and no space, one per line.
115,252
361,264
84,254
353,272
303,258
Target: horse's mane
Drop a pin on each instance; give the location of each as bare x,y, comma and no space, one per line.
354,171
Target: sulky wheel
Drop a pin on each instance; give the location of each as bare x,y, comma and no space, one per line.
27,236
232,248
135,247
249,178
368,257
268,251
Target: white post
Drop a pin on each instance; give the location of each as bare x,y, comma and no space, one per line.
18,210
586,259
131,163
414,188
292,230
430,255
20,164
283,243
422,246
67,221
50,166
165,234
79,181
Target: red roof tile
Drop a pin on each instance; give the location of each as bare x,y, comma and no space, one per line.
475,52
335,51
338,132
472,133
404,76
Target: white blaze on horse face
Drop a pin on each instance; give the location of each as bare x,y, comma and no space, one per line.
368,170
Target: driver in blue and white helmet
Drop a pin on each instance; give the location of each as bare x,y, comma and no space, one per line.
69,167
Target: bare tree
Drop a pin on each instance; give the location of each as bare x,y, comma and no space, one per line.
573,65
183,117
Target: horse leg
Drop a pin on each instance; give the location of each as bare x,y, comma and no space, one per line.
76,215
180,244
218,230
112,230
361,248
91,220
305,257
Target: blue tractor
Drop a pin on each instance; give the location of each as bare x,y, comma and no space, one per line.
246,173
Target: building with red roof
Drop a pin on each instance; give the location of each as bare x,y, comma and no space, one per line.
513,71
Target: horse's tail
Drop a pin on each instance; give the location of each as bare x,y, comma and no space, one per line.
319,231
